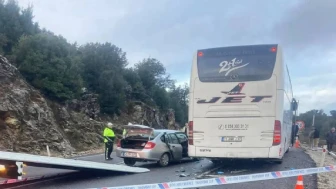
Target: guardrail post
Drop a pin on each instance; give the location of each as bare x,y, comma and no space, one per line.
324,151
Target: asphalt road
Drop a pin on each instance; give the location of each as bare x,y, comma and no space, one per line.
295,159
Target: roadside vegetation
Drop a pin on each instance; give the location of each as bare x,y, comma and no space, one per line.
61,70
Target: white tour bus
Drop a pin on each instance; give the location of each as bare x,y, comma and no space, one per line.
240,103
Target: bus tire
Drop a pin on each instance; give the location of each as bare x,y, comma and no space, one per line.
287,150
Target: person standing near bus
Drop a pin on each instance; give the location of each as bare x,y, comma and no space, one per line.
295,131
316,137
311,137
331,139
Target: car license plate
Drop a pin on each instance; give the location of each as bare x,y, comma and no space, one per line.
129,154
232,139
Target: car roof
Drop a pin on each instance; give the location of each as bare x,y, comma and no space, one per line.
167,130
146,127
137,126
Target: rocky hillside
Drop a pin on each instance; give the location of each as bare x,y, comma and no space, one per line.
29,121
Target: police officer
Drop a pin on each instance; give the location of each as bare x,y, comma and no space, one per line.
108,140
124,131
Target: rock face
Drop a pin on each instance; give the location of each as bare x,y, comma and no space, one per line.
29,122
143,114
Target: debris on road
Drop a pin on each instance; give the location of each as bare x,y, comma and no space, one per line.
180,170
207,172
184,175
213,176
239,171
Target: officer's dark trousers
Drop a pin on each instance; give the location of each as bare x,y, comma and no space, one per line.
108,150
330,146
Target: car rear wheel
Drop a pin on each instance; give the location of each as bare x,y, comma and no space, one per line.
129,162
164,160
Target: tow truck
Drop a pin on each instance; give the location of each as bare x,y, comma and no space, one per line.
11,164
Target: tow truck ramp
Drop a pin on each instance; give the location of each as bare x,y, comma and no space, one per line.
12,160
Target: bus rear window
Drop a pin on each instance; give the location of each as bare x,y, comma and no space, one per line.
236,64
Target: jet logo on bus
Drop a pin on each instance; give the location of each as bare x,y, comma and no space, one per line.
236,90
234,99
228,67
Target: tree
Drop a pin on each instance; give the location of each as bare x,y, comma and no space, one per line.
153,73
179,102
103,68
323,122
112,92
60,69
49,63
135,90
14,23
161,97
97,58
333,113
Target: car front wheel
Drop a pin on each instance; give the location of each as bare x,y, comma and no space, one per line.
129,162
164,160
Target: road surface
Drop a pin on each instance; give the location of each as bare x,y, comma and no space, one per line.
295,159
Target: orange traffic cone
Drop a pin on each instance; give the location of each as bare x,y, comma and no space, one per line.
297,143
299,183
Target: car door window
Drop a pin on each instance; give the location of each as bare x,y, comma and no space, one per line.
165,139
182,137
173,139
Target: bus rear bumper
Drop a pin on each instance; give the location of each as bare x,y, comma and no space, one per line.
233,153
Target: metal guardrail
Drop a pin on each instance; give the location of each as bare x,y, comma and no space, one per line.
332,154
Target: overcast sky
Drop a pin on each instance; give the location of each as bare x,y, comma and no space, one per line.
172,30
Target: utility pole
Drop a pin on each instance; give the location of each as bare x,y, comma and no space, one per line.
314,117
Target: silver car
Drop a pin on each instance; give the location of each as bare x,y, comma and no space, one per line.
142,143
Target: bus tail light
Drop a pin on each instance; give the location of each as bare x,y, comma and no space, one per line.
191,133
277,133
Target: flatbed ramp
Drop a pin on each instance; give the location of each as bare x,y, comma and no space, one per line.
62,163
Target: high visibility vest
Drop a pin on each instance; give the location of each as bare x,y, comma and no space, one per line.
108,133
124,132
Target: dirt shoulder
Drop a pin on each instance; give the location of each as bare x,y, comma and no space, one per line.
324,180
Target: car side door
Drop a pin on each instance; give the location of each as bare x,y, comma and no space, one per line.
175,146
183,139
